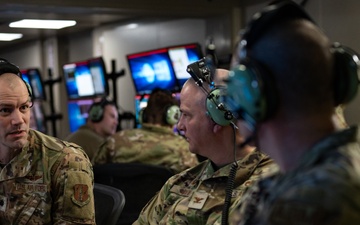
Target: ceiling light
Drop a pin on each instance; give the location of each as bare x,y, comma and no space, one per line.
43,24
10,36
132,25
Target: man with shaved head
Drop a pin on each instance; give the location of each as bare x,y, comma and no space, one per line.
293,78
43,180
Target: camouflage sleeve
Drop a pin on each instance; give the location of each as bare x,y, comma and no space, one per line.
72,182
155,209
104,153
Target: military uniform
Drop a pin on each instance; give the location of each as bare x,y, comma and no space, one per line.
88,139
151,144
323,190
196,196
49,182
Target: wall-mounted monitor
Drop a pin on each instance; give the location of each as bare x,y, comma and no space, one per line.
33,77
140,103
152,69
85,79
37,117
78,112
99,75
181,56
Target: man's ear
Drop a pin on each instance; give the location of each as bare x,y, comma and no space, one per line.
217,128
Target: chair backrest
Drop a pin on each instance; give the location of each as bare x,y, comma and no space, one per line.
139,183
109,203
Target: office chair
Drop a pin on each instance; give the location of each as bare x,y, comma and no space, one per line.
109,203
139,183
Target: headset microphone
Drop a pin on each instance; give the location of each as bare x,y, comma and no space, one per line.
199,72
202,71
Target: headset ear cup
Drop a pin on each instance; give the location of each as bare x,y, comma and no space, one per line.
96,113
251,92
172,115
346,77
222,117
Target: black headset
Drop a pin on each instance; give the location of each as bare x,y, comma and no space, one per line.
96,111
250,90
202,71
8,67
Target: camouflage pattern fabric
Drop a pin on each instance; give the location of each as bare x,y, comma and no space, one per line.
196,196
87,138
151,144
323,190
49,182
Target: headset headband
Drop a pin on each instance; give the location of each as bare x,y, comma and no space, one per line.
262,21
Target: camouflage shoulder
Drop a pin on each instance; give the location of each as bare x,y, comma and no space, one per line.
55,144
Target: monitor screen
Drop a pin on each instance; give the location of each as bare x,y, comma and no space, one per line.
140,102
181,56
85,79
33,78
99,76
25,76
78,112
37,117
152,69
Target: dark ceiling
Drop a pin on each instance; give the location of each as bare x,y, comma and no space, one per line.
93,13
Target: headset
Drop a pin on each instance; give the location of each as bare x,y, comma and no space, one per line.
203,71
251,92
171,116
96,111
171,113
8,67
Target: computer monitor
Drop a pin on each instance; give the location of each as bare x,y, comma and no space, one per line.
140,103
181,56
34,79
25,76
85,79
99,75
152,69
37,117
78,112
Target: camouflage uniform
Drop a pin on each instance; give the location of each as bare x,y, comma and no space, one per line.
88,139
151,144
323,189
196,196
49,182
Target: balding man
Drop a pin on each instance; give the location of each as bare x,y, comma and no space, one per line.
43,180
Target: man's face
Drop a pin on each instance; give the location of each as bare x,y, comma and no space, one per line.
194,122
110,120
14,112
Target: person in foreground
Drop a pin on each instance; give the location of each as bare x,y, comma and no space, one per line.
43,180
155,143
288,63
197,195
100,125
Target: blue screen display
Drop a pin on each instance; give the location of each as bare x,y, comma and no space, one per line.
85,79
140,103
33,78
150,70
78,112
25,76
